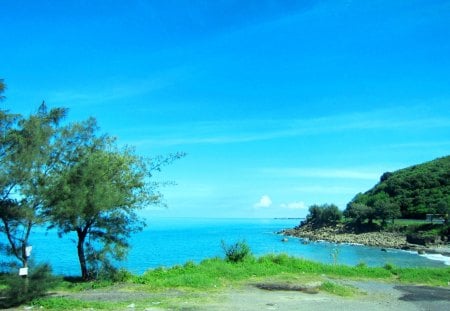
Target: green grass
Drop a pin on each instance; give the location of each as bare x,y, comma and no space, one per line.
409,222
192,282
75,285
217,273
63,303
339,289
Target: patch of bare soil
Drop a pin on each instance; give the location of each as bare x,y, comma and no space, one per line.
287,287
377,296
280,296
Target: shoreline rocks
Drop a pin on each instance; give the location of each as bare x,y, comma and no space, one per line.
382,239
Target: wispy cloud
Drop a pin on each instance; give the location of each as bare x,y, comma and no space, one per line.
318,189
294,205
421,144
111,90
323,173
241,131
106,94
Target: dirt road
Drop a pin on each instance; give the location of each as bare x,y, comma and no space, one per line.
375,296
372,296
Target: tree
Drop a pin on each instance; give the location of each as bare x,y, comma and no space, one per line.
417,190
323,215
359,212
97,192
443,208
384,208
2,89
26,160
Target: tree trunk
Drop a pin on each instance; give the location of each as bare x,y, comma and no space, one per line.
26,283
81,256
24,258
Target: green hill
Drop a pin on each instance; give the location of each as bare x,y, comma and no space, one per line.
417,190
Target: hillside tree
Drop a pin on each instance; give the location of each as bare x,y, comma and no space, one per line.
384,208
323,215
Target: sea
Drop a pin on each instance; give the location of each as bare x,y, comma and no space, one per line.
166,242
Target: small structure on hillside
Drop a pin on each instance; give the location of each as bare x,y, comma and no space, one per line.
436,218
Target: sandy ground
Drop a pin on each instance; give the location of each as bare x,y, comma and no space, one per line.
373,296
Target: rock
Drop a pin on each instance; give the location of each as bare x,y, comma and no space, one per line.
338,234
284,239
418,238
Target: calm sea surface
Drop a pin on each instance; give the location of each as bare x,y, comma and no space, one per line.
171,241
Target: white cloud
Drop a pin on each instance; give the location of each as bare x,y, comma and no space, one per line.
264,202
294,205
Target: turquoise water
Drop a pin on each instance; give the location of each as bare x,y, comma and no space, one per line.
171,241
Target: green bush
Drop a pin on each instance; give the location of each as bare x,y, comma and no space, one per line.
361,265
19,290
389,267
236,252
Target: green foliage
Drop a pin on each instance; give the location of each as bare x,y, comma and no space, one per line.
75,180
422,275
338,289
96,192
19,290
236,252
428,233
369,208
389,267
417,190
361,264
63,303
335,255
217,273
2,89
323,215
359,213
120,275
27,158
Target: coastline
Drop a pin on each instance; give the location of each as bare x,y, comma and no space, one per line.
383,240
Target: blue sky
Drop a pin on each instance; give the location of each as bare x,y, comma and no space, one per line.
278,104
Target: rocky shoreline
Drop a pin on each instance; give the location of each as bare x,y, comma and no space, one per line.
382,239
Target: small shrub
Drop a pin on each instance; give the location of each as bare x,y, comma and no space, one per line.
20,290
281,259
236,252
189,265
121,275
388,267
335,255
361,265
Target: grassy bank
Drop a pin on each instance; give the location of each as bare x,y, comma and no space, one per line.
219,273
167,287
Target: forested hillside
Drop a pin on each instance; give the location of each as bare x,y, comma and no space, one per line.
417,190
